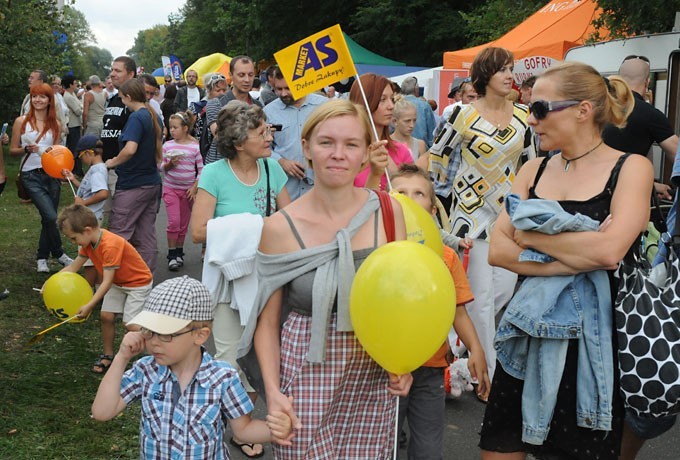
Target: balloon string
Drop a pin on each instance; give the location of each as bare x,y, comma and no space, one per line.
72,189
375,131
396,431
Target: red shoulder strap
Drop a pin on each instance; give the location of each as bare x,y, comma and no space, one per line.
387,214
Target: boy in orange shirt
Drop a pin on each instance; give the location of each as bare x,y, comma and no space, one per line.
125,278
426,402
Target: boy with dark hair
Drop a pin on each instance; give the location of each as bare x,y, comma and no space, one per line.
186,395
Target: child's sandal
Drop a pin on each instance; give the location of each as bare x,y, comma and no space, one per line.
99,366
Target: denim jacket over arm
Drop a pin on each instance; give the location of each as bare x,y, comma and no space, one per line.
534,333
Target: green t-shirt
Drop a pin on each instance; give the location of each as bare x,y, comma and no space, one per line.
233,196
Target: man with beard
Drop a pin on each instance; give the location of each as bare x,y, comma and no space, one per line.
291,115
242,72
189,93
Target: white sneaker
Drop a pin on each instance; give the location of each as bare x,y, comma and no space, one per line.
180,261
42,266
65,260
173,266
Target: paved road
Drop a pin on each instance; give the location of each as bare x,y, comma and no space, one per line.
463,416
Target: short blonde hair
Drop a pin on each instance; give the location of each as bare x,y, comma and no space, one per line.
333,109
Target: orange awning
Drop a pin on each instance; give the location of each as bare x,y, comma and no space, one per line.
547,34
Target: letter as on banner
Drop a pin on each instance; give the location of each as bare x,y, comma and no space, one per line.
324,53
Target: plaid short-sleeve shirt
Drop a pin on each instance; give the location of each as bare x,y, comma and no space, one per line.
185,425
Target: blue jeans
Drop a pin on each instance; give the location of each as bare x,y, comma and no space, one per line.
44,192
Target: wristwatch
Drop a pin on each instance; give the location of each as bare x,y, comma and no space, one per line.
26,150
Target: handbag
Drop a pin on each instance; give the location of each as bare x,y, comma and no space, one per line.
22,193
647,312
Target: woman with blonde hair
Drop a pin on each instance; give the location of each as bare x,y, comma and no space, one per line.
404,121
312,365
575,411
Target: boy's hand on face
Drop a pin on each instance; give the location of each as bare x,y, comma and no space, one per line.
133,344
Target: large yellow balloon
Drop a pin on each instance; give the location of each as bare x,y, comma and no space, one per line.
64,293
402,305
420,226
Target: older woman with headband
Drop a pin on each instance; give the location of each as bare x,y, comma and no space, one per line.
568,403
237,184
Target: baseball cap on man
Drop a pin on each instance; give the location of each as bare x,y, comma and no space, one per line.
174,304
88,142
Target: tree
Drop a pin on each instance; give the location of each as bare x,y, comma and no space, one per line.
27,42
150,45
624,18
495,18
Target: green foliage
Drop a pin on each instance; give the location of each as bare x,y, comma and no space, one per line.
493,19
92,61
416,32
150,45
627,17
26,43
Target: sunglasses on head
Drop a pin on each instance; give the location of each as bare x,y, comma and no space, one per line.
217,77
541,109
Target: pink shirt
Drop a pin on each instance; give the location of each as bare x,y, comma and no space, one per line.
399,154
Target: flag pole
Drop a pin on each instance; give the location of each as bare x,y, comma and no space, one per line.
375,131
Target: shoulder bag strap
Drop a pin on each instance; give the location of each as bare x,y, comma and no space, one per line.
388,215
269,198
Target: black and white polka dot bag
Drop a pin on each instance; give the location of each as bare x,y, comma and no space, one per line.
648,325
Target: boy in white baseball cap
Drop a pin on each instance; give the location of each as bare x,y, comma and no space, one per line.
185,393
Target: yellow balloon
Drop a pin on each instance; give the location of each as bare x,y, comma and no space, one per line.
420,226
64,293
402,305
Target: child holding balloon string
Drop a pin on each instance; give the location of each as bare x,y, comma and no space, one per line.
93,190
425,404
126,279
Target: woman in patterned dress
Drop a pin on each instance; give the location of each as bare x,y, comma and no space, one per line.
345,402
477,155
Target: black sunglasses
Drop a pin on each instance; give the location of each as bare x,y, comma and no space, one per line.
541,109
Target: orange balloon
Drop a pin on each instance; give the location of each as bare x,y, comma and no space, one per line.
55,159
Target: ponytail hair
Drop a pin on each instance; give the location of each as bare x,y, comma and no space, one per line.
401,104
611,97
134,89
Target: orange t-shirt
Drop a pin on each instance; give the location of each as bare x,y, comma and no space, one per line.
114,252
463,296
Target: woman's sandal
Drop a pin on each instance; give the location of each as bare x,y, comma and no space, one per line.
99,366
241,445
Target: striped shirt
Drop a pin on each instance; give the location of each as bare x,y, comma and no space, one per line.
186,171
177,425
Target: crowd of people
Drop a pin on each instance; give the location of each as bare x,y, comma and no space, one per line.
288,198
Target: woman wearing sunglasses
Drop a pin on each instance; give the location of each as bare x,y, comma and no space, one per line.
581,412
474,160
